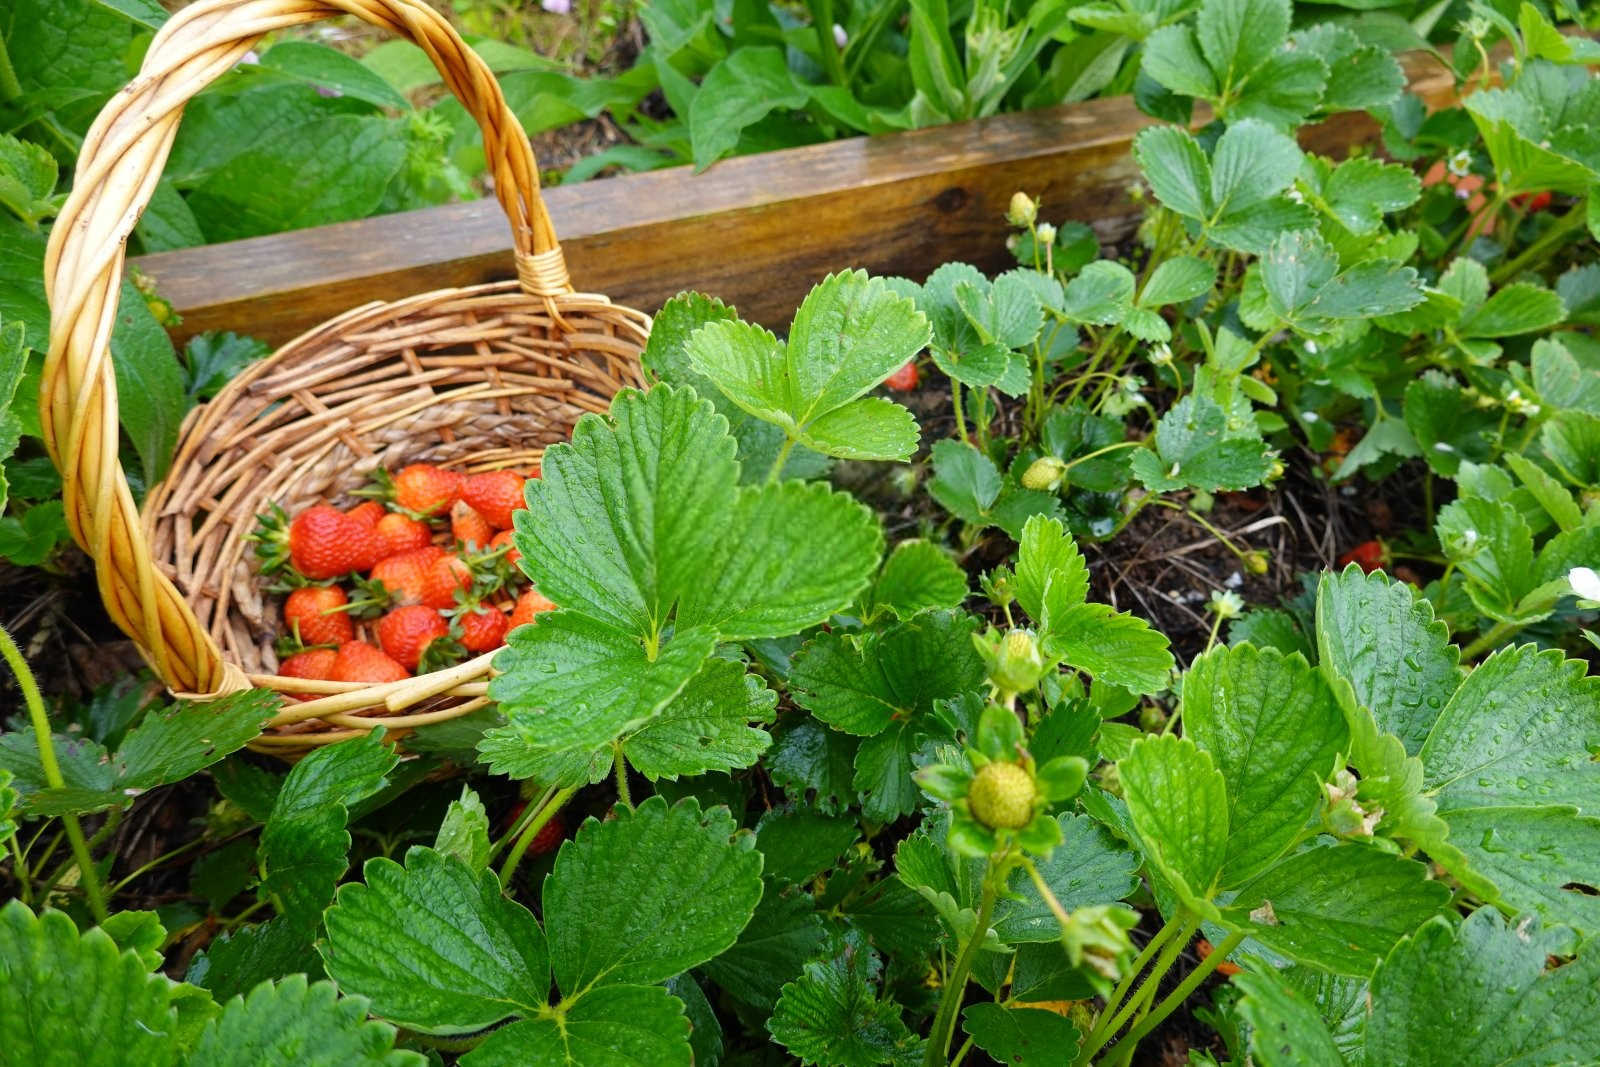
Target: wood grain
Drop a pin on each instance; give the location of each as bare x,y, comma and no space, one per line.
756,231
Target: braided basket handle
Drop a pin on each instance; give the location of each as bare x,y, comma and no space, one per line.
118,167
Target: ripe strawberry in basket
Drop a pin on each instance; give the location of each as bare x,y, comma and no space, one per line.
530,604
468,527
482,627
503,539
399,533
494,495
425,489
312,663
401,578
358,661
368,512
447,575
319,543
315,615
405,633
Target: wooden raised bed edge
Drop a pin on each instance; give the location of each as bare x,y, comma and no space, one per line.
757,231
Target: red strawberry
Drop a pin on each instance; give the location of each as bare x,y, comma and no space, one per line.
312,663
1539,201
399,533
315,615
549,837
1368,555
905,379
368,512
324,542
425,489
529,604
503,539
358,661
483,628
468,527
446,575
404,576
405,632
494,495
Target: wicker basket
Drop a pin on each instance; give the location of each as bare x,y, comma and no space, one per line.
476,379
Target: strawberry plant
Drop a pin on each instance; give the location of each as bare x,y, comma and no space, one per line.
791,755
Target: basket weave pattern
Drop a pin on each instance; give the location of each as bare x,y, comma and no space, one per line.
474,379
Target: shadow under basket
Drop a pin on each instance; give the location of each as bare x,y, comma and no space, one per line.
471,379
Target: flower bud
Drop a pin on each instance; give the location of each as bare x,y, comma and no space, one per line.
1097,938
1046,233
1256,561
1022,211
1045,473
1018,665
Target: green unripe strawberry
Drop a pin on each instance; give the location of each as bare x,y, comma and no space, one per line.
1044,473
1002,796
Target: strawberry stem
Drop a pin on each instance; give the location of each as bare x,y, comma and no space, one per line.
88,877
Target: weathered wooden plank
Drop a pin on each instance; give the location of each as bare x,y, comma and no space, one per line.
756,231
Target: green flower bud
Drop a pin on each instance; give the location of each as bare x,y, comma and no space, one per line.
1002,796
1022,211
1097,938
1256,560
1044,473
1018,665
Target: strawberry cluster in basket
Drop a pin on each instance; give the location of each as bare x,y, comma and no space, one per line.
421,576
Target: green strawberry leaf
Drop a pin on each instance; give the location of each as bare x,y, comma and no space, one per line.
1178,805
965,482
1539,859
1307,291
1051,577
831,1016
1518,308
849,334
237,962
572,684
860,683
613,920
1517,732
1484,992
435,946
918,576
783,936
1273,727
292,1022
170,744
1360,76
1112,647
1339,908
1089,867
809,760
1492,546
1198,446
1100,295
1026,1037
612,1025
1381,637
1359,192
708,726
1446,425
1285,1027
1177,280
305,845
798,844
72,998
666,356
